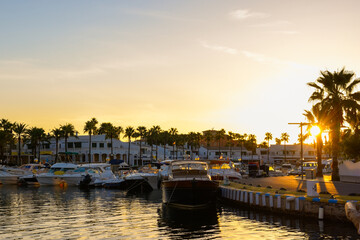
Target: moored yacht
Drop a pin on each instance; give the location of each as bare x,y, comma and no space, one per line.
60,173
10,175
189,185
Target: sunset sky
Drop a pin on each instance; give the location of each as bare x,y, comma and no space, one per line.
194,65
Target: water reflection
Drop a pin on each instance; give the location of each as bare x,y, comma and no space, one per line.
287,227
72,213
179,223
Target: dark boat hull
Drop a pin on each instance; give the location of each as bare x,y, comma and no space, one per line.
189,193
130,185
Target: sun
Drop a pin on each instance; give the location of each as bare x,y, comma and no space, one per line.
315,130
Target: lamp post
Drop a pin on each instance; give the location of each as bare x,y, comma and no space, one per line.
301,146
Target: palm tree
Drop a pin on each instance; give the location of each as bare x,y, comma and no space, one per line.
268,137
251,144
241,140
173,133
285,138
110,132
90,127
208,137
336,91
6,136
20,130
57,133
35,136
218,136
154,134
230,141
129,133
318,116
68,131
141,131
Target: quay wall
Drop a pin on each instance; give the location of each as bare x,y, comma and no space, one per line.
331,209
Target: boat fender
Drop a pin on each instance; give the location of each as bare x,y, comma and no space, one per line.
63,184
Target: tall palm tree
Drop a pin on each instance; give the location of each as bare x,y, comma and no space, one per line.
154,133
35,136
318,116
141,131
241,138
207,137
57,133
268,137
230,141
336,91
251,144
111,132
6,137
173,133
91,128
218,136
129,133
68,131
285,138
20,130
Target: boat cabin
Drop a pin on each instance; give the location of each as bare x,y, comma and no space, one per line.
188,169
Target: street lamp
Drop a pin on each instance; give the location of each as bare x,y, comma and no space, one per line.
301,146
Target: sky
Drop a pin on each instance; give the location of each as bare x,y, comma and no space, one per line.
193,65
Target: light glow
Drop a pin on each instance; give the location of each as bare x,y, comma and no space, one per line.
315,130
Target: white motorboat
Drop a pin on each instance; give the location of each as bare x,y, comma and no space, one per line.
60,173
9,175
224,171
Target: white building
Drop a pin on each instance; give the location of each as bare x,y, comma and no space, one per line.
289,154
78,151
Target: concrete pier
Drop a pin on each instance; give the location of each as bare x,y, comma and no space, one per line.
288,204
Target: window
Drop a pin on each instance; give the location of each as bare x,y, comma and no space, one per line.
101,145
70,145
109,145
93,145
46,146
77,145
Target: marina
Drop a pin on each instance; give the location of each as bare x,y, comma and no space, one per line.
55,213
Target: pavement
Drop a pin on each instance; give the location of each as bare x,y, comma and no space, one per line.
294,183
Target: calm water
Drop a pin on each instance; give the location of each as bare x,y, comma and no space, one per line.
55,213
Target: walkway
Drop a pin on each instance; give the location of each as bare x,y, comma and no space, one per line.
293,183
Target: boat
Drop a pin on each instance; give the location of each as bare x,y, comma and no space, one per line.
224,171
11,175
144,179
31,170
60,173
189,185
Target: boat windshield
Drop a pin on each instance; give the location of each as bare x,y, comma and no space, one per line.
53,170
189,166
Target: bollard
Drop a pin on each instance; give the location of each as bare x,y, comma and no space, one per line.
278,197
321,213
251,197
241,196
271,201
297,204
246,196
257,200
263,200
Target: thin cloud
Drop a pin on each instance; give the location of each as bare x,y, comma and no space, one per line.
265,59
279,23
242,14
219,48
